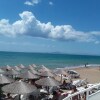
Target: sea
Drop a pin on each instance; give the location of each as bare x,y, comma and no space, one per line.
50,60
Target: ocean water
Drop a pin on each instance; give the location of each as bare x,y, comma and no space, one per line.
49,60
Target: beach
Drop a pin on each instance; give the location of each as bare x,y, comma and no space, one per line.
91,73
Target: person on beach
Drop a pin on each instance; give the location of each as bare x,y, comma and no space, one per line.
86,65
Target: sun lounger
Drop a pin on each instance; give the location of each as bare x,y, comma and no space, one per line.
78,83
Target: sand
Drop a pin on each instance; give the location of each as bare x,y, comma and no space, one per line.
92,74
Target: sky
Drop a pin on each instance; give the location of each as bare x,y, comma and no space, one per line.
65,26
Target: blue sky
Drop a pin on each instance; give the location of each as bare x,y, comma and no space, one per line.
67,26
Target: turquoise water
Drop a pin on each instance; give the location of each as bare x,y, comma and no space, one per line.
49,60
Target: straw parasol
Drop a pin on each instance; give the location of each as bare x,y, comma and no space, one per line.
19,87
30,67
28,75
43,69
34,71
46,73
33,65
4,79
21,66
17,68
61,72
8,67
12,72
48,81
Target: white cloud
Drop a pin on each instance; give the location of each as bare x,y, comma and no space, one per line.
97,42
28,3
95,33
32,2
50,3
5,28
29,25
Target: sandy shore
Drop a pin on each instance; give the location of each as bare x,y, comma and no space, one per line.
92,74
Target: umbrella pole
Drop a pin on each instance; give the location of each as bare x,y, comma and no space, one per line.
0,91
48,89
19,97
61,78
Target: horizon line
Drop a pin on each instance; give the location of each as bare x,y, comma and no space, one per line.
52,53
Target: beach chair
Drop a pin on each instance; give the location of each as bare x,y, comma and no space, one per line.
84,82
72,72
75,75
77,83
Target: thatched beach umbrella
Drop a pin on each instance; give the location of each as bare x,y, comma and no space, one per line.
21,66
4,79
30,67
12,72
34,71
33,65
17,68
48,81
61,72
43,69
28,75
47,73
19,87
8,67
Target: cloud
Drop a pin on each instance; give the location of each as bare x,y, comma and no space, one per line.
97,42
28,3
31,26
32,3
50,3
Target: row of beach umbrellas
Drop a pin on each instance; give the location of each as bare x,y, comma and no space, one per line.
20,87
31,73
25,71
20,67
